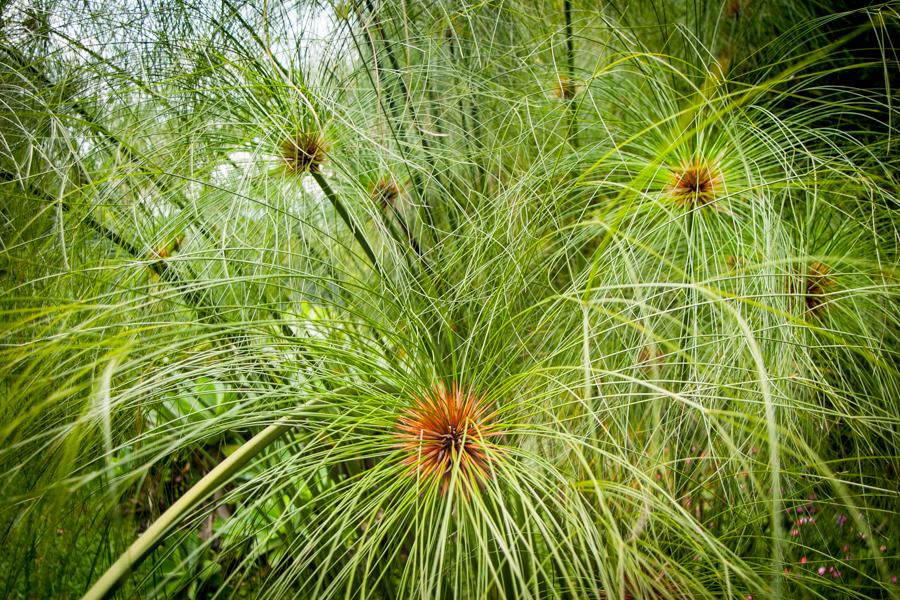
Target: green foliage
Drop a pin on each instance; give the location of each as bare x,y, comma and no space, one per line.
657,241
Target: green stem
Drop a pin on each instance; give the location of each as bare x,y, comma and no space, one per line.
141,548
345,217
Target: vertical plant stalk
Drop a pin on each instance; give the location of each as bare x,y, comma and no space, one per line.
572,133
407,98
391,112
345,217
141,548
61,227
407,235
472,135
396,112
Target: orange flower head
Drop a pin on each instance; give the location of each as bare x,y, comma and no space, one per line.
444,428
695,183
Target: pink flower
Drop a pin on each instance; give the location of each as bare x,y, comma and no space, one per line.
821,570
802,560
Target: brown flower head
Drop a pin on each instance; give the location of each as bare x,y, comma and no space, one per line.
385,192
735,9
565,88
305,152
734,262
817,285
695,183
650,357
169,248
445,427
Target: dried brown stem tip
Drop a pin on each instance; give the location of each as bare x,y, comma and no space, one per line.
305,152
818,284
695,184
443,428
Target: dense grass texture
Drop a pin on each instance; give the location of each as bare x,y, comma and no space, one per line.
393,299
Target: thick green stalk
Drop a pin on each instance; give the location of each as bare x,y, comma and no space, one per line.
141,548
